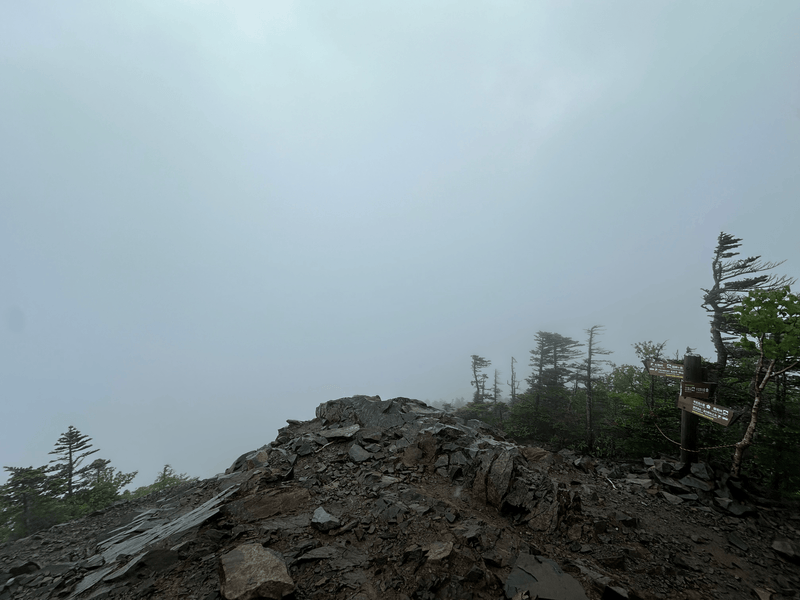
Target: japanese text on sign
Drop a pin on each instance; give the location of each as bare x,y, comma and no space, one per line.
665,369
695,390
713,412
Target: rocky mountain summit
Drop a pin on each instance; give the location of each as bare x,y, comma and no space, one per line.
396,500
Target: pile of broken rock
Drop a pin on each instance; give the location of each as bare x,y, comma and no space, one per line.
395,499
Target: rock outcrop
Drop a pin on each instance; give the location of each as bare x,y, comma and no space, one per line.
396,500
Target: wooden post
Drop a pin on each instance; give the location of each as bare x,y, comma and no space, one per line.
692,372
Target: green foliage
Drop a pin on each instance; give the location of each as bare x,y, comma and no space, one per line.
635,414
772,317
733,278
103,490
37,498
534,422
774,456
166,478
492,413
29,502
626,422
71,449
553,367
526,418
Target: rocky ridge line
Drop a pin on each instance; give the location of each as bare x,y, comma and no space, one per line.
394,499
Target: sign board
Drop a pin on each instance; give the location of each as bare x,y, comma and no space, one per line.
697,390
701,408
665,368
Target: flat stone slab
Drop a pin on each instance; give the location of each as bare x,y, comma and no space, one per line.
340,433
542,578
135,538
321,553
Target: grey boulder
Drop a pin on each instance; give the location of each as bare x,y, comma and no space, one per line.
251,571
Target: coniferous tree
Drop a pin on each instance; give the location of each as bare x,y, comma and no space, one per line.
496,397
103,487
29,501
496,393
553,363
590,367
71,448
538,361
542,410
514,384
98,466
479,378
166,478
733,279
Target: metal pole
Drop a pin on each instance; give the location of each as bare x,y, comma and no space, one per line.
692,373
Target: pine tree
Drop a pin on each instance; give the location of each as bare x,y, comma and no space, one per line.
103,485
733,279
514,383
537,363
165,479
71,448
29,501
552,361
590,368
97,468
478,378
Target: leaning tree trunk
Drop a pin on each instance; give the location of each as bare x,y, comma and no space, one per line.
747,439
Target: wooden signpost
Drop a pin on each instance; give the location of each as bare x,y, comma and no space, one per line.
697,390
701,408
665,368
693,400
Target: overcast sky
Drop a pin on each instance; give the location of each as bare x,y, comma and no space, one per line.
216,216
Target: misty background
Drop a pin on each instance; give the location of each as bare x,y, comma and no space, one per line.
216,216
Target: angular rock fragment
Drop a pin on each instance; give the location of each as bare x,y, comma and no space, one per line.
626,520
585,463
533,454
324,521
499,478
736,540
439,551
698,484
340,433
787,549
734,507
358,454
251,571
645,483
701,471
23,567
688,561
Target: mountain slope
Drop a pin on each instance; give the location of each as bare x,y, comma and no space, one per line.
394,499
